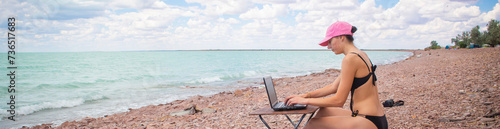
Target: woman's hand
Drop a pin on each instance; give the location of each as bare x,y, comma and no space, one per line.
296,99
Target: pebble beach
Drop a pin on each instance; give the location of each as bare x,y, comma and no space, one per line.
440,88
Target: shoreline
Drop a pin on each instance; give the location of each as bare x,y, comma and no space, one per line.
391,78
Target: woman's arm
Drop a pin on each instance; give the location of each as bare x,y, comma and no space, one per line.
327,90
347,73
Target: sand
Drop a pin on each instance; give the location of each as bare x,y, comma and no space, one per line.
441,89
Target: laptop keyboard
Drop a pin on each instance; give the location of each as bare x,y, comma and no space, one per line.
280,105
283,105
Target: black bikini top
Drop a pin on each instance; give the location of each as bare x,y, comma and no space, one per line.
358,82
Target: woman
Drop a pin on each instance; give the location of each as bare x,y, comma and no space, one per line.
357,77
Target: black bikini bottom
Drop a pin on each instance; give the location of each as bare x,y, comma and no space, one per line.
379,121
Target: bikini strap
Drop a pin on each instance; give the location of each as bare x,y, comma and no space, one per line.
374,67
364,61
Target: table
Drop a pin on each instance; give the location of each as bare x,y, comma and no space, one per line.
270,111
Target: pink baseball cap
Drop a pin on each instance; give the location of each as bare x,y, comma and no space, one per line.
336,29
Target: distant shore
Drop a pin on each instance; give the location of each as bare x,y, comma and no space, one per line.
324,49
288,50
441,89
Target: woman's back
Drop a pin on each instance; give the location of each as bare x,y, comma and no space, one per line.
365,94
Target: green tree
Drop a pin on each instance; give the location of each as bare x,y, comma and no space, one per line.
434,45
462,44
475,36
466,37
493,37
463,40
455,41
484,37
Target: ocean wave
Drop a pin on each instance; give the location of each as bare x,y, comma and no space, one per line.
78,84
226,77
57,86
29,109
206,80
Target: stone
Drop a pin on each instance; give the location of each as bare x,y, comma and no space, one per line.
488,103
484,119
248,94
443,119
472,95
492,114
461,91
426,125
180,113
191,110
457,119
467,114
208,110
238,93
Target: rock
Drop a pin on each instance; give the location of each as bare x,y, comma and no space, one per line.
484,119
238,93
197,109
461,91
208,110
443,119
248,94
457,119
467,114
472,95
492,114
191,110
180,113
488,103
426,125
212,103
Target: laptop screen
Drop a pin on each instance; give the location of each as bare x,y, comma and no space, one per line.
270,90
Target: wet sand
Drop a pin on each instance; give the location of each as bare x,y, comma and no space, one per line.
441,89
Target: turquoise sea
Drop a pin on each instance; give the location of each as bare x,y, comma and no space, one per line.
64,86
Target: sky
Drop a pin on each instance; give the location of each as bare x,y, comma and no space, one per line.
138,25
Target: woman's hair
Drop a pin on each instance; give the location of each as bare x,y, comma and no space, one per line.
349,37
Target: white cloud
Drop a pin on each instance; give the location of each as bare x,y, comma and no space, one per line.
268,11
493,14
136,4
325,5
274,1
153,25
221,7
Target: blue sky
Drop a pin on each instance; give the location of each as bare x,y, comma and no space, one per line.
130,25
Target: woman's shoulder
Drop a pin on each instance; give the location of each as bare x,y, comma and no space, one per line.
354,55
349,58
355,58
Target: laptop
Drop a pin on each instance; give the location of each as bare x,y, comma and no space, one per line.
273,100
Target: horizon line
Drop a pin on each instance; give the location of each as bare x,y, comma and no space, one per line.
277,49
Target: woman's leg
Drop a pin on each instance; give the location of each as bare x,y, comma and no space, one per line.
332,111
340,122
338,118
